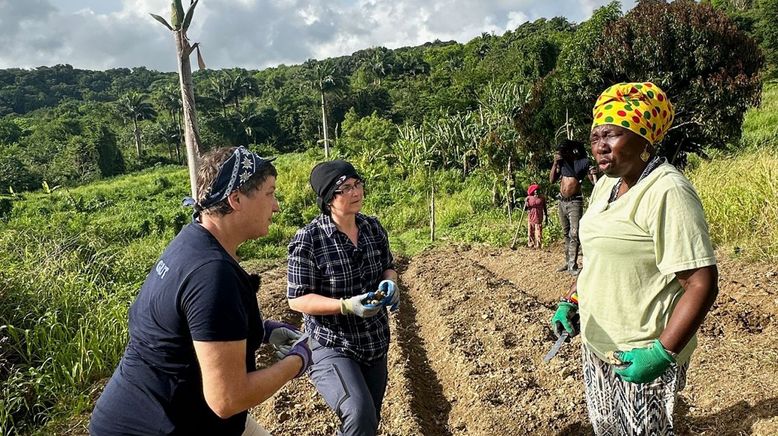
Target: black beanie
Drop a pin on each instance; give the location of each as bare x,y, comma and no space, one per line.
326,177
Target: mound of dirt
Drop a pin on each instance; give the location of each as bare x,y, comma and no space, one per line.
468,342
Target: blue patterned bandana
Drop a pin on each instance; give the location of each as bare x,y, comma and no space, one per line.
233,173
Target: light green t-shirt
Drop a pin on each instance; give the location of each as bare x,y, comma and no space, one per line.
632,249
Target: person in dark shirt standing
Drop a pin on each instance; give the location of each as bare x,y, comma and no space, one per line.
189,367
571,166
337,263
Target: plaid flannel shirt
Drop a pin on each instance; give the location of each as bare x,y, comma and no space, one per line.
324,261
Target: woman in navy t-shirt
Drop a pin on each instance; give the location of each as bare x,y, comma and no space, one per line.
195,326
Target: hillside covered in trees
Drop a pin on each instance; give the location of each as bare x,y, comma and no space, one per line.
497,101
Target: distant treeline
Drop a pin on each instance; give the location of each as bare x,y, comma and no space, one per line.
68,126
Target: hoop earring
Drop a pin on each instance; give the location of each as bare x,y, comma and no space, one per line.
645,155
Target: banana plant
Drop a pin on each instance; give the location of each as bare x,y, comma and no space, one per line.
179,24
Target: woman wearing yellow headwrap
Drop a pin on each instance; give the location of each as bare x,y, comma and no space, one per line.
649,275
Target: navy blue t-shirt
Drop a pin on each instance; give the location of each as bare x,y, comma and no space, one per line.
195,291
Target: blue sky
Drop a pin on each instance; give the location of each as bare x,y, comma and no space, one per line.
253,34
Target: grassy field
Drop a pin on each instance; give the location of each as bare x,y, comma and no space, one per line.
739,191
72,260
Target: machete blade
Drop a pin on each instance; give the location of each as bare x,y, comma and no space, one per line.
557,345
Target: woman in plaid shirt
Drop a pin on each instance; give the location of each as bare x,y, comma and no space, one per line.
336,264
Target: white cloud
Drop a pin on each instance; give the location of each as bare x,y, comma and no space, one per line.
251,33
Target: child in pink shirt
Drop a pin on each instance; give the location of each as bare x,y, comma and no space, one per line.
535,204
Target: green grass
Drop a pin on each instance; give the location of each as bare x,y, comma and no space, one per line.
740,197
739,190
760,125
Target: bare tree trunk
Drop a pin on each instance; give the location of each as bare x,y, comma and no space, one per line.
432,212
191,132
175,116
495,197
324,124
136,133
509,190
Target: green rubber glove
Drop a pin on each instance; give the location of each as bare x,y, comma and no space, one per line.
566,318
644,364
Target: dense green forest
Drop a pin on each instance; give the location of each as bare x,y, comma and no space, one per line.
497,101
102,151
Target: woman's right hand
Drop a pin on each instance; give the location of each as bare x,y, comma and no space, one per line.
354,306
566,319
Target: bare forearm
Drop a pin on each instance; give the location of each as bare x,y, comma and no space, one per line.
315,304
259,385
554,172
573,289
389,274
701,289
227,386
266,382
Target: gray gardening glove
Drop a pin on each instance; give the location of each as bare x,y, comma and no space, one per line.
281,336
302,348
355,306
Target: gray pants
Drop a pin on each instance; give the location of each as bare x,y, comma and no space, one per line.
570,212
353,390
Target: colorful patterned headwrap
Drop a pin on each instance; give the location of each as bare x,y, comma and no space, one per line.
640,107
233,173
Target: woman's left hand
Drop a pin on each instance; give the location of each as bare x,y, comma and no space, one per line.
644,365
391,292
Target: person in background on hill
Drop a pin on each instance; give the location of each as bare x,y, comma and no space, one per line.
336,264
649,276
189,367
535,203
570,167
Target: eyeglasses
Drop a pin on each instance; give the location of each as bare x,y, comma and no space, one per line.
347,189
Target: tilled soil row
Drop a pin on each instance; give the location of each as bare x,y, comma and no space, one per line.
484,339
465,359
472,330
732,380
297,409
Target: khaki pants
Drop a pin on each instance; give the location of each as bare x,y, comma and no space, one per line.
254,429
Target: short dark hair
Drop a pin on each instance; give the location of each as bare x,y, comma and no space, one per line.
569,144
211,163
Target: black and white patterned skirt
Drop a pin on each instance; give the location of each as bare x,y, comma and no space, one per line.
621,408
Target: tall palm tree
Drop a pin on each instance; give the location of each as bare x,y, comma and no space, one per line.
220,89
169,99
170,133
241,85
250,119
380,64
324,77
134,107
